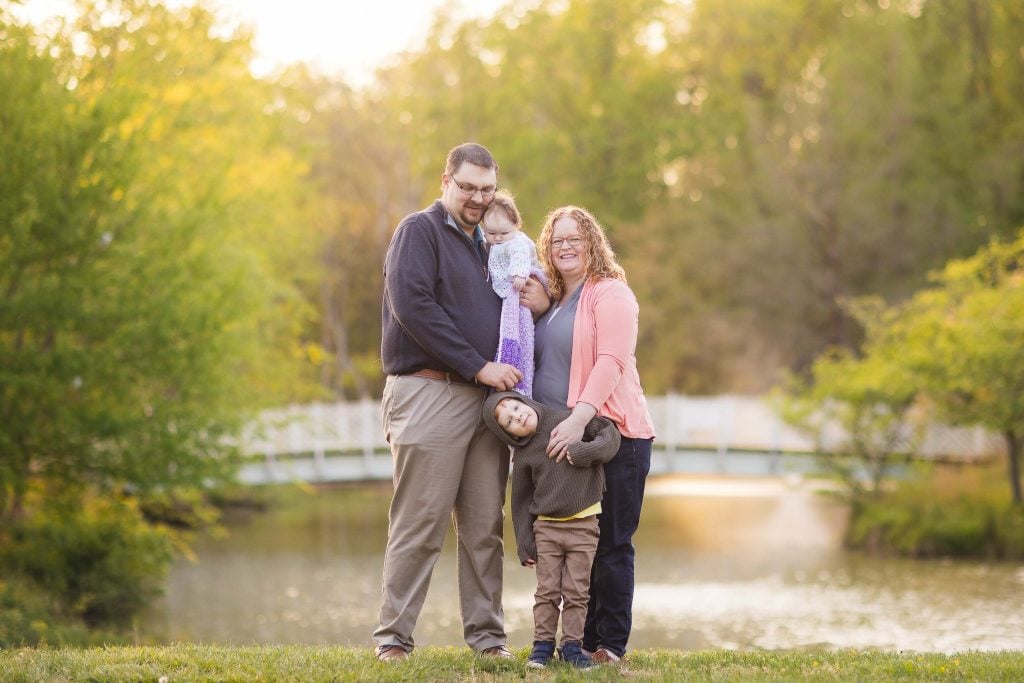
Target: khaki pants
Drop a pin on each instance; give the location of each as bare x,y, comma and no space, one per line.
445,463
565,553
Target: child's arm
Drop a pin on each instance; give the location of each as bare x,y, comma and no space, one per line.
600,443
520,260
522,520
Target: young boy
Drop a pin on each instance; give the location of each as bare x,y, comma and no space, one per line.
554,511
512,259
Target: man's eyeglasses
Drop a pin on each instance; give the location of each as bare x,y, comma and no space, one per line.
470,190
573,242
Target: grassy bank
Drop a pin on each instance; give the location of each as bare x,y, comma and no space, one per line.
945,511
306,663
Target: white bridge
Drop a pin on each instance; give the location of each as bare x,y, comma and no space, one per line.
724,435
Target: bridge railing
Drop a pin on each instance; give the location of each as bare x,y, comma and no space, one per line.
340,441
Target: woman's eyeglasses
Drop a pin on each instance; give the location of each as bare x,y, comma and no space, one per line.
573,242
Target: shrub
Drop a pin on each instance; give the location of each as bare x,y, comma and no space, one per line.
97,556
30,617
944,512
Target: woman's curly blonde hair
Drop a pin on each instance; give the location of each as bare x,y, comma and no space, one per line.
599,259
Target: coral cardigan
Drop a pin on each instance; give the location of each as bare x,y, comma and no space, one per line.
603,367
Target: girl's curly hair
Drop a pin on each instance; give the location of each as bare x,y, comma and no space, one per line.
598,258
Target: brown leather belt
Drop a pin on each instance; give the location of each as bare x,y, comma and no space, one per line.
443,376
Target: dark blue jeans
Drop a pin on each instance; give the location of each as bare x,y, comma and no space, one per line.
610,612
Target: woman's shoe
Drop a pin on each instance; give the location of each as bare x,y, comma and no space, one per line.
603,656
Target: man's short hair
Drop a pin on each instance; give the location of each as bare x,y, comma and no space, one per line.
470,152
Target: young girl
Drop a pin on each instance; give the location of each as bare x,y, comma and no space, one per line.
512,259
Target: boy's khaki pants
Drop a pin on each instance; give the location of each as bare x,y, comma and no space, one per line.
565,553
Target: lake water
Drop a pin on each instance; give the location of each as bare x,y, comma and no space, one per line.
721,563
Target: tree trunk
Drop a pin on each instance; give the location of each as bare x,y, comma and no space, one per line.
12,501
980,29
1013,454
337,334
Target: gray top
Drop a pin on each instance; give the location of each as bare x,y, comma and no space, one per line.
553,352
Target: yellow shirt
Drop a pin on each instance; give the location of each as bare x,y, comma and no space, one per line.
585,512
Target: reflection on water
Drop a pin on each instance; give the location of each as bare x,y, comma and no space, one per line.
720,564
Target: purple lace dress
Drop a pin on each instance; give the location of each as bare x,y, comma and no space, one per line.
516,257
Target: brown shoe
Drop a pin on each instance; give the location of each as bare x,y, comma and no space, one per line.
499,652
603,656
391,653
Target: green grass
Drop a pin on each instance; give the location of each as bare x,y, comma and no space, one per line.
306,663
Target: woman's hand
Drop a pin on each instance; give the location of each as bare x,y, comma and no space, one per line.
569,431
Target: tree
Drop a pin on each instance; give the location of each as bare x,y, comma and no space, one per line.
962,340
376,154
573,98
860,409
836,150
954,346
143,310
361,187
755,161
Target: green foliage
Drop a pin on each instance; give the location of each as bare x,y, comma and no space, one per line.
835,155
756,162
97,557
31,617
954,348
961,341
858,409
963,337
152,232
944,514
360,189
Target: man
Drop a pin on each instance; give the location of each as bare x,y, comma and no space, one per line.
440,328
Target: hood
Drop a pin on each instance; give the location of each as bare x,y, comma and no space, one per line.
487,413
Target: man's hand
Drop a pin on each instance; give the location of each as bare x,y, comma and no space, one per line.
534,297
501,376
530,563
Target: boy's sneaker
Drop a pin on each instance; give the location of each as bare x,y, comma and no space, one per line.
572,653
543,651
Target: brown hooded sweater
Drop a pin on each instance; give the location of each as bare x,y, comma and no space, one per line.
541,486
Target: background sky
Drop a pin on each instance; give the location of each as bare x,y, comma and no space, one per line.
347,38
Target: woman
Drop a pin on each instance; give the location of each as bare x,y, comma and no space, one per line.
585,355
